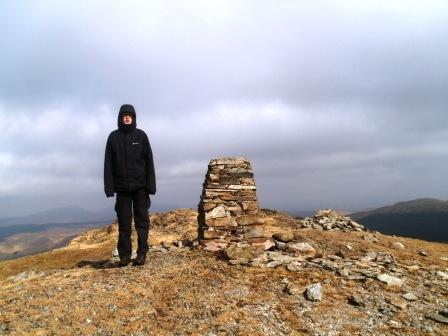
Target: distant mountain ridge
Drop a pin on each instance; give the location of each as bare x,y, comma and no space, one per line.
425,218
414,206
68,214
72,214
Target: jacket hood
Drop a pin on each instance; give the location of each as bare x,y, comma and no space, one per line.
127,109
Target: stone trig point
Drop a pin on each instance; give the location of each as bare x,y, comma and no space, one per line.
229,209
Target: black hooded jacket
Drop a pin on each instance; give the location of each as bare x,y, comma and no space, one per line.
128,161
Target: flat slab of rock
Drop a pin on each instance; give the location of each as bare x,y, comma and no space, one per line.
438,318
390,280
228,161
213,246
293,289
397,302
302,249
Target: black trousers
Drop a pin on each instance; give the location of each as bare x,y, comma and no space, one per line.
127,201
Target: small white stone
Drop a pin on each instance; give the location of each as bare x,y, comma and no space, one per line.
442,275
314,292
409,297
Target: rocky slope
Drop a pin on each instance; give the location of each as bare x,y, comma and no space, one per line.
324,275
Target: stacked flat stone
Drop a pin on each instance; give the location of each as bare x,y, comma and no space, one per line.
330,220
229,210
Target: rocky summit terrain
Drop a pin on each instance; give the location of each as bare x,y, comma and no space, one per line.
324,275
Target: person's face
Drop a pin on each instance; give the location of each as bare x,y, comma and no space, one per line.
127,119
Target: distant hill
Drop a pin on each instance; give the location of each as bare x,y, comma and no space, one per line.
421,218
53,224
69,214
22,244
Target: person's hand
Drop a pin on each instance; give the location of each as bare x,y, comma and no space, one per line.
148,199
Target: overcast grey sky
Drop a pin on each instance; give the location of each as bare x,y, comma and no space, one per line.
338,104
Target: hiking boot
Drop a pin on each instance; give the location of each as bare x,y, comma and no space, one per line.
124,262
140,260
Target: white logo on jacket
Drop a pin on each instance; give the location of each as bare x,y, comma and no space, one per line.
135,143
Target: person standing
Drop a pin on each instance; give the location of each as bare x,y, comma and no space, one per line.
129,173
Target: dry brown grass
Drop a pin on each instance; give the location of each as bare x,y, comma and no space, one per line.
56,259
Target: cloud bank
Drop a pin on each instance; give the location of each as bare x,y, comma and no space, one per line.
338,103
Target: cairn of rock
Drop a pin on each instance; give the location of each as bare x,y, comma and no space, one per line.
228,213
330,220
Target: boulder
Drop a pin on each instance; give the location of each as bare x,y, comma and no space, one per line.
284,237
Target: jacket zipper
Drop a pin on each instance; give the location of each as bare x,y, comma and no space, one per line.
126,159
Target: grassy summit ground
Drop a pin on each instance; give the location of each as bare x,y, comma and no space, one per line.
76,289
